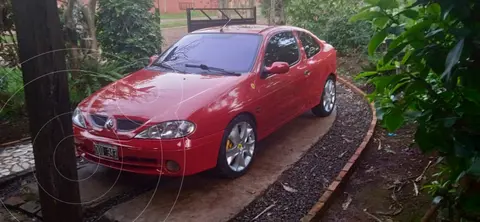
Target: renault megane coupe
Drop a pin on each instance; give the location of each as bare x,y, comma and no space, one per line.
205,102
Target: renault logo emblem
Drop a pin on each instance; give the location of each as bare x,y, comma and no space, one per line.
109,123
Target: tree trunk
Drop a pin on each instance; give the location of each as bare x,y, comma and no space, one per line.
89,15
271,17
251,4
48,106
71,37
281,13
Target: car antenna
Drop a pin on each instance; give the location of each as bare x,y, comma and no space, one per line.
229,19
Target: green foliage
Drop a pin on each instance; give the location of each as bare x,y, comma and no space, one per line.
12,99
129,31
8,42
329,19
429,74
92,76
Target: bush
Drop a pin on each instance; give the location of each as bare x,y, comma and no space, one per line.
428,74
328,19
129,31
92,76
12,99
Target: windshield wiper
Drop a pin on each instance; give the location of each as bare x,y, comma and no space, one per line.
164,65
209,68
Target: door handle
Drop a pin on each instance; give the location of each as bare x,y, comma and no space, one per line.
307,72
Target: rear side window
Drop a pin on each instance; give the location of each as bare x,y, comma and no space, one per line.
282,47
309,44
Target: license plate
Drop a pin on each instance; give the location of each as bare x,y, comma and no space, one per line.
106,150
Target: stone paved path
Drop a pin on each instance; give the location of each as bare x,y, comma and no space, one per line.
15,159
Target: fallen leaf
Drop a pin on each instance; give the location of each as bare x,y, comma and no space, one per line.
415,188
289,189
390,151
379,144
371,169
347,203
342,154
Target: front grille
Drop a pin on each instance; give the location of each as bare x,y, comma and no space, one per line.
132,159
128,124
99,120
122,124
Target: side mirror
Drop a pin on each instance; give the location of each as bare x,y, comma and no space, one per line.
278,68
152,59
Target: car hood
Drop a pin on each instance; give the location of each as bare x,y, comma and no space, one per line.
155,96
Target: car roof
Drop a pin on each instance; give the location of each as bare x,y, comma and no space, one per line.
248,29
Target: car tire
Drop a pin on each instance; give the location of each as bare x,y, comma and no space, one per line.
328,99
231,166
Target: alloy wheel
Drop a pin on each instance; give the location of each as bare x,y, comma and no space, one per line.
329,95
240,146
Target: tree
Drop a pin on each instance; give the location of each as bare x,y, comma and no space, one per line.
429,75
81,43
128,30
276,15
47,98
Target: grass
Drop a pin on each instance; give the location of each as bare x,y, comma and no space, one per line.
173,24
183,15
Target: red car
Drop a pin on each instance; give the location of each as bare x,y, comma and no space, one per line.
206,101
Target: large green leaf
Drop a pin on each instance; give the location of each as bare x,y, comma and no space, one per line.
372,2
365,74
475,167
453,57
393,119
366,15
410,13
376,40
387,4
380,22
393,52
416,29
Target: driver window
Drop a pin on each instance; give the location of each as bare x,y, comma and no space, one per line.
282,47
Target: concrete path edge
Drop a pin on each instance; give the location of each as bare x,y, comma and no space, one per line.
318,209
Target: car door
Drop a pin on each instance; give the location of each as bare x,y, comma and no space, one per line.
277,91
315,72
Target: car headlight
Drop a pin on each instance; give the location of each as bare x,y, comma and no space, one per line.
168,130
78,119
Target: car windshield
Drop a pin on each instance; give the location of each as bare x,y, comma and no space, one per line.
231,52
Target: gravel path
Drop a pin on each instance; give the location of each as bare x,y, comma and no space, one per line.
313,173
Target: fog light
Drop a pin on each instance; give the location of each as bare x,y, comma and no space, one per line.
172,166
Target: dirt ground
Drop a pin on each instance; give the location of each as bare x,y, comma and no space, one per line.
13,130
381,187
382,184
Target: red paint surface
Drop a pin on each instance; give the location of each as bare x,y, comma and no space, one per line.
209,101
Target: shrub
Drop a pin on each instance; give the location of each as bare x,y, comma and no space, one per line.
429,74
128,30
8,42
12,99
92,76
328,19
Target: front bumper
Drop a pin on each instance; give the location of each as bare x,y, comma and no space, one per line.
150,156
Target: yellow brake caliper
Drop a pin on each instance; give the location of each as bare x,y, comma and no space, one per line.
229,144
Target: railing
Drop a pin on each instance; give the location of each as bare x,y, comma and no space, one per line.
234,16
